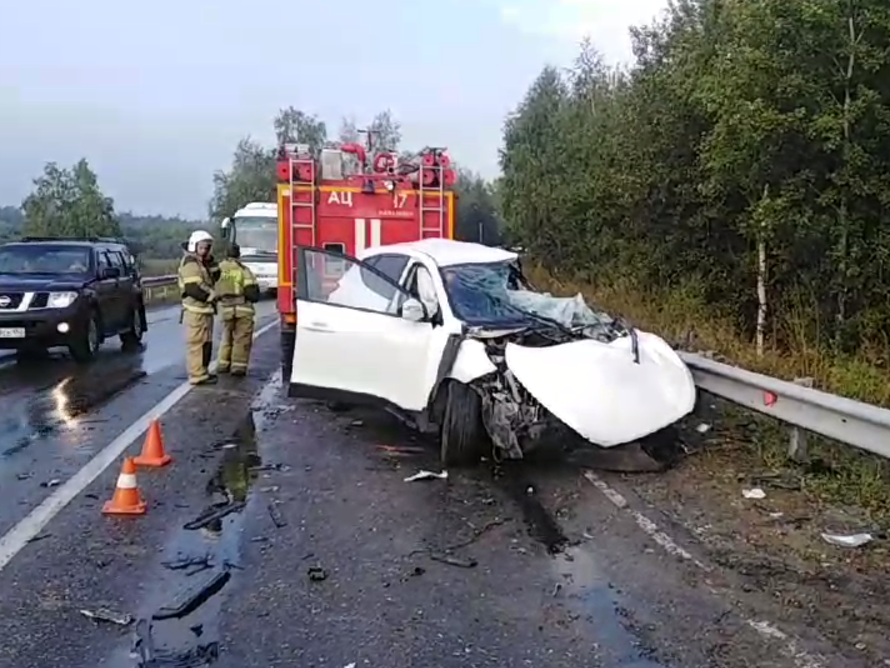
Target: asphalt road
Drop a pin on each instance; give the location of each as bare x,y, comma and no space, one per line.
334,560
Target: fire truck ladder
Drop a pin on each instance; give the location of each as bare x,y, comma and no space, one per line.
297,203
435,229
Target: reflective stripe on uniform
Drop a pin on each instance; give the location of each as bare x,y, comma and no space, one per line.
193,272
194,308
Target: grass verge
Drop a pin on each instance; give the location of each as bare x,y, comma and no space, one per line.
843,474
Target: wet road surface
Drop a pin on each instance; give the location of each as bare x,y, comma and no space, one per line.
56,414
285,534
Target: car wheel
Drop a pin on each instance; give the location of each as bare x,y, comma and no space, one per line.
86,341
462,435
132,338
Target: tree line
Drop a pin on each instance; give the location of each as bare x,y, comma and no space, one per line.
743,159
68,202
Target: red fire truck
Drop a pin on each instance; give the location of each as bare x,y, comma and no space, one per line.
386,201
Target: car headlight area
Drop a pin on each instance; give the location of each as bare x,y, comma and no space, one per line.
61,299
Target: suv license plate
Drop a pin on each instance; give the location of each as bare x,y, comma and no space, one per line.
12,332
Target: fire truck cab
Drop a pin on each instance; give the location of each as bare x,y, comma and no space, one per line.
387,200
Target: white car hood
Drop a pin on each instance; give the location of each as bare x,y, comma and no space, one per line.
599,391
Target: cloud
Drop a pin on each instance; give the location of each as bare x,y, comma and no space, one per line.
606,22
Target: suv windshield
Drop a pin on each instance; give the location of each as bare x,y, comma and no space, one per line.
257,235
43,259
495,294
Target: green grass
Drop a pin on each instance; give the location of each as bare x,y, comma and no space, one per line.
156,267
852,476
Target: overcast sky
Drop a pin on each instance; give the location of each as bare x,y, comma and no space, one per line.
156,94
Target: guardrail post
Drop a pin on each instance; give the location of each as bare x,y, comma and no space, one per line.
797,447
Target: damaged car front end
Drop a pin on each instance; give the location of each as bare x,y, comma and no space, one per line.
554,375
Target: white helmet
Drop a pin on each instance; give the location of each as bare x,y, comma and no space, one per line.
197,237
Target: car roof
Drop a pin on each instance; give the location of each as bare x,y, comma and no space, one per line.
446,252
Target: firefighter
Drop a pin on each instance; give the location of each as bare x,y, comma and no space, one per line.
198,274
238,292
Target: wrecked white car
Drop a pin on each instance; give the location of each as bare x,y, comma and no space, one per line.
449,336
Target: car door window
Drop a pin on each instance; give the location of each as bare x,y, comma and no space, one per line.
390,265
116,261
102,261
361,286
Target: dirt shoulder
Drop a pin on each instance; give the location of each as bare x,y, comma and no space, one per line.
775,544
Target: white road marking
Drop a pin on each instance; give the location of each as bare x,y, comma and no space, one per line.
30,526
766,629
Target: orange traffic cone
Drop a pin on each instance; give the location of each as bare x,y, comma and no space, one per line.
126,500
153,449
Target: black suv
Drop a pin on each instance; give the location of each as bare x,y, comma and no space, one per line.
69,292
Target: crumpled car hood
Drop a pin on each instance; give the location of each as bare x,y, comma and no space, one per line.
597,390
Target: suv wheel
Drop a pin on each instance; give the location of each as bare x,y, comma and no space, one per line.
132,338
85,342
463,437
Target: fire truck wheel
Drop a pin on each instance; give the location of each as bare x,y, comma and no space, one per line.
288,340
462,435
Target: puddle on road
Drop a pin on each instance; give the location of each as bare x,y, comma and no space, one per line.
583,582
181,626
63,404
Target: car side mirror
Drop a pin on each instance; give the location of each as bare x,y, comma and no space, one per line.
413,310
224,227
109,272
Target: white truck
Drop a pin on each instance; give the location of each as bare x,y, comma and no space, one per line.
254,227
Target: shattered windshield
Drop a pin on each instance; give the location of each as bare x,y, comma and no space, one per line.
495,294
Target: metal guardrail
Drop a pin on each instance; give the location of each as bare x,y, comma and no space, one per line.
158,281
159,287
855,423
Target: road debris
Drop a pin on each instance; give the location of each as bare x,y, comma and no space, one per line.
275,514
216,512
317,574
193,597
193,564
55,482
106,615
39,537
400,450
849,540
262,468
427,475
454,561
754,493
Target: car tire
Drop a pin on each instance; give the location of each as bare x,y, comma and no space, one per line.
462,434
86,340
132,338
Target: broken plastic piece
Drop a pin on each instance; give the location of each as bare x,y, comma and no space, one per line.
427,475
194,597
214,513
754,493
851,540
106,615
454,561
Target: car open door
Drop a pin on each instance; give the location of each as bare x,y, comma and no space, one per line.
380,347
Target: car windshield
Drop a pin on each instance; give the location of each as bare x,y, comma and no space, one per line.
43,259
495,294
257,236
